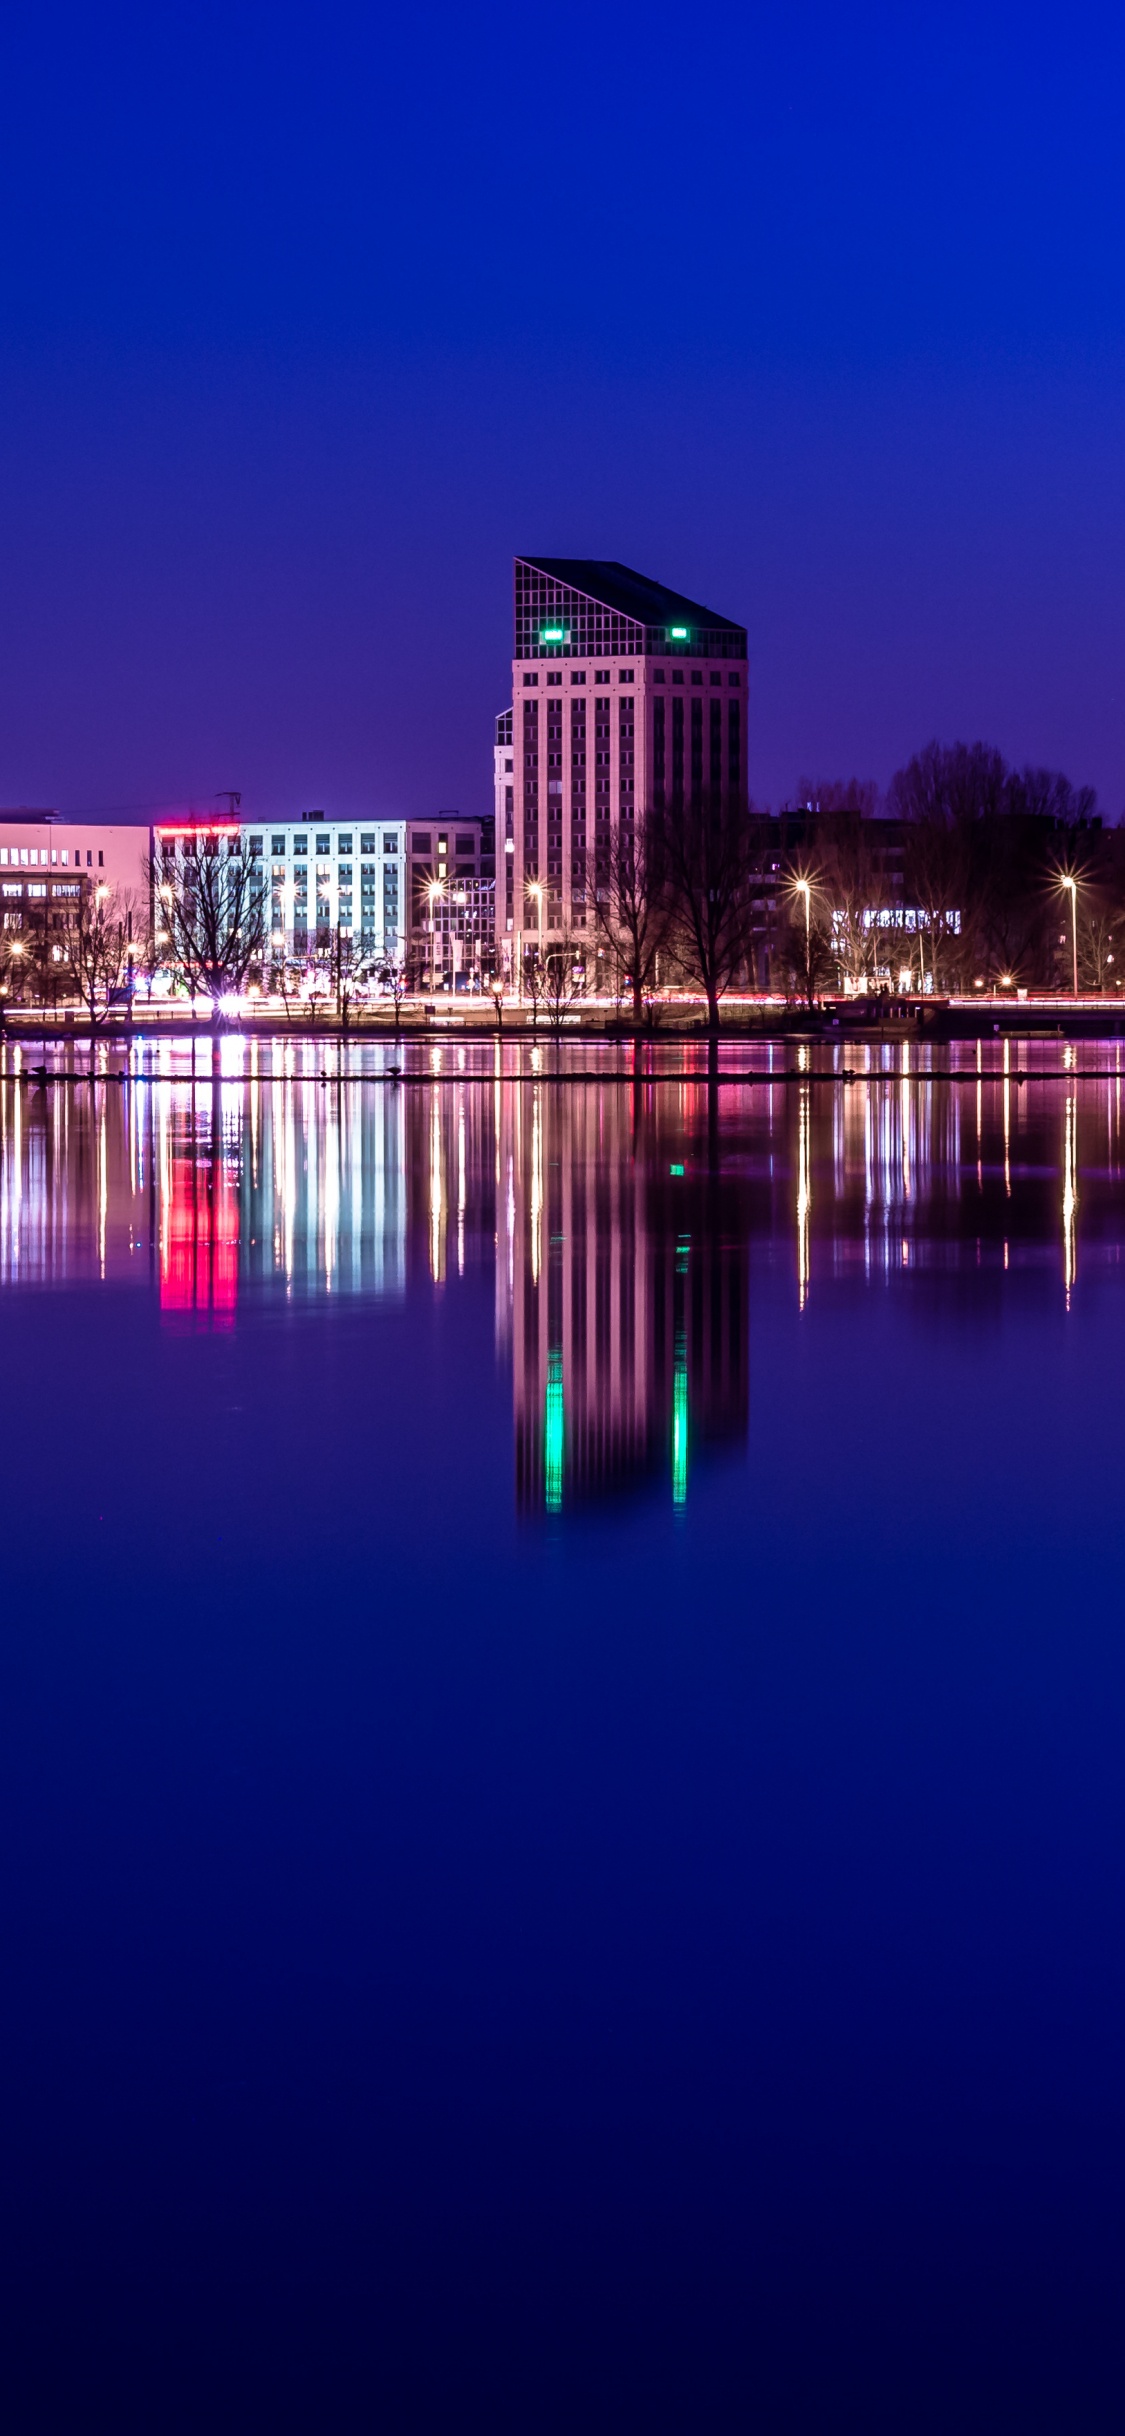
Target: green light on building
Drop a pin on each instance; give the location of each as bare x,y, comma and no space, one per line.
675,1170
554,634
554,1434
679,634
679,1423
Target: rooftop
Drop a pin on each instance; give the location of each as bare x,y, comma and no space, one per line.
632,595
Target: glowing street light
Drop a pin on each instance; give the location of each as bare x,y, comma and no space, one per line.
435,889
1068,881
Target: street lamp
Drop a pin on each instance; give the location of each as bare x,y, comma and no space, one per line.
803,888
535,889
1069,882
434,891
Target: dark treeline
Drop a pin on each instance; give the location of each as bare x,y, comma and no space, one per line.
957,877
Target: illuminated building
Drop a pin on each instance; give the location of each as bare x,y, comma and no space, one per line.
451,890
328,882
46,860
626,697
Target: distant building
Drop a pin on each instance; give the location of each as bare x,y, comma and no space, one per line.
626,697
330,882
46,859
451,887
504,794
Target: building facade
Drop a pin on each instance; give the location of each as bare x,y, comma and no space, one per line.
45,860
333,881
451,891
627,698
329,883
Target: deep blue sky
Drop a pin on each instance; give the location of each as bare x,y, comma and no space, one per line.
310,319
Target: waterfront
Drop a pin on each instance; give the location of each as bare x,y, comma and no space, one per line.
563,1696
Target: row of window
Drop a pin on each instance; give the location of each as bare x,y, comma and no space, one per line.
41,855
344,843
625,676
38,888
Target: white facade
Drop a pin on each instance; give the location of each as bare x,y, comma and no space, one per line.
330,879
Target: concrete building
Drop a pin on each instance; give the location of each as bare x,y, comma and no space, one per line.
328,880
451,888
333,879
504,797
45,859
626,697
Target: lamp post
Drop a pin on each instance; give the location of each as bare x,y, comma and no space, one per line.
1072,885
535,889
434,892
806,892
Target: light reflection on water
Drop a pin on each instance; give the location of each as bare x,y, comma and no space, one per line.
618,1213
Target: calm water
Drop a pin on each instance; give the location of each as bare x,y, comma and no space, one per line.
563,1702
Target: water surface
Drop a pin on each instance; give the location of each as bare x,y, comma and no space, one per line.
562,1711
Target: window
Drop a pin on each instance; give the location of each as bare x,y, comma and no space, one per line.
658,676
601,676
716,676
324,845
256,845
367,842
697,676
465,845
300,845
624,676
37,888
12,888
732,680
677,676
343,845
554,680
422,845
66,888
277,845
390,844
531,680
101,858
578,676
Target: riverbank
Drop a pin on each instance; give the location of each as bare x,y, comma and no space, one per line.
978,1018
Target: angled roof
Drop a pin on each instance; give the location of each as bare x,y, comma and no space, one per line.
632,595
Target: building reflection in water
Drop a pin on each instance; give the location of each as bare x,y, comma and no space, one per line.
615,1226
622,1293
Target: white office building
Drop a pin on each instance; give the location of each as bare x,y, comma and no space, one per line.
333,879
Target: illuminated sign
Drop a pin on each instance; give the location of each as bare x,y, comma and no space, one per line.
678,634
554,634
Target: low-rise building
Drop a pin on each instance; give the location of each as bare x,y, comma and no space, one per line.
46,859
452,894
333,881
330,883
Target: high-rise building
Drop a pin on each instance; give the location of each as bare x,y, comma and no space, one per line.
626,698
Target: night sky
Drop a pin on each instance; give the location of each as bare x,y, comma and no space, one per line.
311,319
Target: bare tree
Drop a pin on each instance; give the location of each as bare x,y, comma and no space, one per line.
96,938
391,975
211,901
707,856
632,909
563,970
